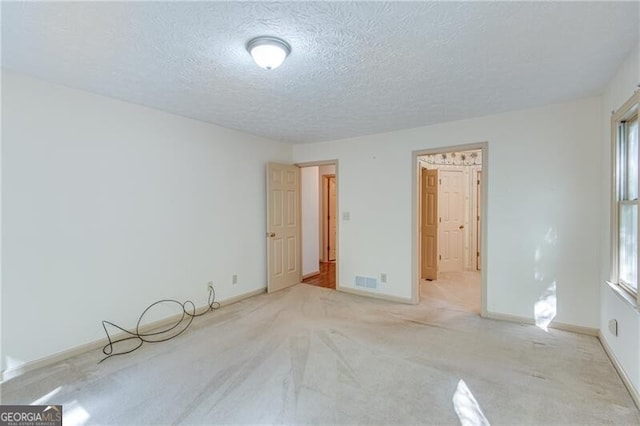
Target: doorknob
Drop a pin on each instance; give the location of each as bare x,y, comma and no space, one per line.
271,234
461,227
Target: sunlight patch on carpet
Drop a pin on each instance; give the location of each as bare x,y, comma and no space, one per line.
467,408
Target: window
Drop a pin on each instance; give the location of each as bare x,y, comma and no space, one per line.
625,210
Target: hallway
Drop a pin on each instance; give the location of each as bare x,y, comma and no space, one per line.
326,278
457,291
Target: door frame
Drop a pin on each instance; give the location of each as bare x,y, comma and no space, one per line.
415,216
335,163
325,206
477,217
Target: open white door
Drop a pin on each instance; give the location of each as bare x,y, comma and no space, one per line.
429,224
284,263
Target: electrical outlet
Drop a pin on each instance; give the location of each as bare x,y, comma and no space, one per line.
234,279
210,286
383,277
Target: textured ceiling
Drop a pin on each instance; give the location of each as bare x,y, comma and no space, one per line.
356,68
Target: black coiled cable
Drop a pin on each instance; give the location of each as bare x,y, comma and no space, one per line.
188,314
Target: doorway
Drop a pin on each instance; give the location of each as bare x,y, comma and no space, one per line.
319,211
448,218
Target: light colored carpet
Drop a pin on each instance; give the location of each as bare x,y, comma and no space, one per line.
312,355
458,291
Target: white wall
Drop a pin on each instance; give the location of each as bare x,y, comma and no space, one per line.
544,181
327,169
110,206
309,181
626,346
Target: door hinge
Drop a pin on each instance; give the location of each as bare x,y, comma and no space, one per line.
440,181
478,182
440,257
478,253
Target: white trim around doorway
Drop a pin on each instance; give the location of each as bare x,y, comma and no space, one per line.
415,199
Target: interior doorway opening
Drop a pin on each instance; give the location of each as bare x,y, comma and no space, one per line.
319,211
450,220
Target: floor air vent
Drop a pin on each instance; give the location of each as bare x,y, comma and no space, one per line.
366,282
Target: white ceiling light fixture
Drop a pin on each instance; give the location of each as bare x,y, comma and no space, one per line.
268,52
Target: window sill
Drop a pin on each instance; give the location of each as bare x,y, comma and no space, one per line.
624,295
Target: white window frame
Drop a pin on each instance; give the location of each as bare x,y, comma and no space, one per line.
628,112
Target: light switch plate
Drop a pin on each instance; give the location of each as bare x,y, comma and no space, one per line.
346,216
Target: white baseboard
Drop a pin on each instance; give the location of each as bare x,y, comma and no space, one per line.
554,324
238,298
10,373
375,295
312,274
21,369
635,395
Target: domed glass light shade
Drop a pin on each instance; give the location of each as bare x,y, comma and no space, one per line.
268,52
